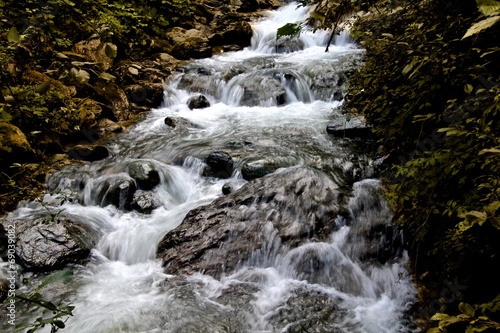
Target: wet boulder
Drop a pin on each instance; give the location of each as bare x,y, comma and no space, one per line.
220,164
178,122
198,102
288,207
258,169
262,90
144,173
350,128
197,78
49,241
117,190
144,202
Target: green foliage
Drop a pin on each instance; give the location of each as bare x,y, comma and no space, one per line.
433,99
53,315
471,319
291,30
490,9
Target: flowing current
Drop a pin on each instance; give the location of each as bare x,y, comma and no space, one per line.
269,106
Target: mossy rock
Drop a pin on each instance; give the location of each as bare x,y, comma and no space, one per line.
14,146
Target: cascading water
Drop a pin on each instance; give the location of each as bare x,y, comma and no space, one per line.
266,109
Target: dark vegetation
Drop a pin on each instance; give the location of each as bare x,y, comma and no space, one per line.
430,90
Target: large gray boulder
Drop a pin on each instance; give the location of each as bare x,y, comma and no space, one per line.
293,205
46,242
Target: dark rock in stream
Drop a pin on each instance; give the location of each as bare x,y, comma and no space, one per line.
350,128
257,169
292,206
144,173
116,190
340,131
198,102
47,242
220,164
178,122
227,188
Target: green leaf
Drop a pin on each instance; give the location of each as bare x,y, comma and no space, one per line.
490,151
440,316
43,88
110,51
59,323
407,68
289,29
466,309
5,116
481,25
107,77
13,35
475,216
468,88
488,6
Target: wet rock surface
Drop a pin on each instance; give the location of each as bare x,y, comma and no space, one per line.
295,205
51,241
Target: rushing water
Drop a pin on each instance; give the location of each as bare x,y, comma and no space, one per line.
124,288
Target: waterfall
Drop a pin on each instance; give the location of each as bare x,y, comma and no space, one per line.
268,110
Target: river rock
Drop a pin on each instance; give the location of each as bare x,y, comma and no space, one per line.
178,122
350,128
14,146
46,242
227,188
220,164
198,102
146,93
106,126
189,44
117,190
259,90
198,79
235,33
257,169
115,98
144,173
288,207
144,202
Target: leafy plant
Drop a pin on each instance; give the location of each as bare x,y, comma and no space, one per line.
53,315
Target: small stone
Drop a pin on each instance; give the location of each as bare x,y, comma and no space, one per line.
133,71
227,188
